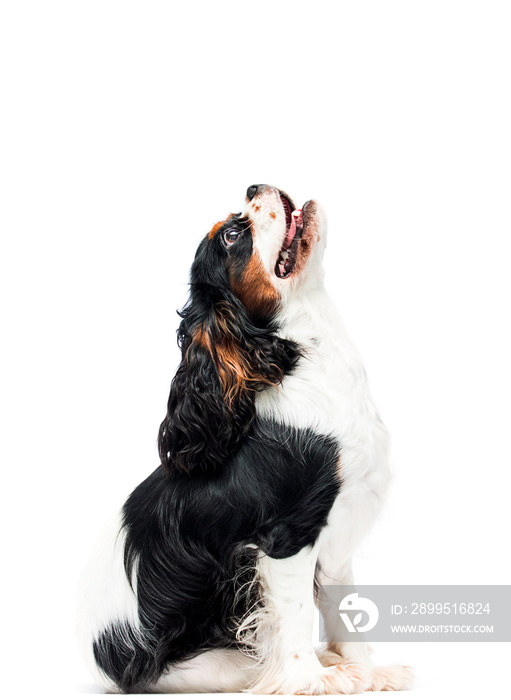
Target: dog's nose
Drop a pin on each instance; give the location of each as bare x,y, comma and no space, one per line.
251,192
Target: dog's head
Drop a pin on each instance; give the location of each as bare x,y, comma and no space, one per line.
276,250
245,271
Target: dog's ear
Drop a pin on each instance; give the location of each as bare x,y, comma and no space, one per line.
197,430
226,359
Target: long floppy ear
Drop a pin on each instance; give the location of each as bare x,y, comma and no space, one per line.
197,430
226,359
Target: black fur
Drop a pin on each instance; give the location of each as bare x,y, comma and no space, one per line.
203,425
231,485
189,534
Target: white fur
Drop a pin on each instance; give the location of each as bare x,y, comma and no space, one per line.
288,663
329,393
215,671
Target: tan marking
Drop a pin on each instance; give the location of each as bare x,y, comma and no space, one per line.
255,288
273,215
233,364
202,337
257,208
235,371
218,226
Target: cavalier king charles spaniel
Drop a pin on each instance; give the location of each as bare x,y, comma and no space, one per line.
273,467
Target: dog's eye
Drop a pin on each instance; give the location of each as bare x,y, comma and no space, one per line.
231,236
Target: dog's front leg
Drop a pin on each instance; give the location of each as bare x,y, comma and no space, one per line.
394,677
283,633
356,652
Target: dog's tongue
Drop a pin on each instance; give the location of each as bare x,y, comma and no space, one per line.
296,220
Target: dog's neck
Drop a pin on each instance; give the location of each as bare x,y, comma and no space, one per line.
311,319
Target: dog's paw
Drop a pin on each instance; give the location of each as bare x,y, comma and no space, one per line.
327,657
341,678
390,678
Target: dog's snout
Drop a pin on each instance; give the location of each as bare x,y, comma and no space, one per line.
252,191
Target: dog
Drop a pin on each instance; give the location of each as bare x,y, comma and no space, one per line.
274,462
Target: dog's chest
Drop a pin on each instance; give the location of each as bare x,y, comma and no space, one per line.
328,391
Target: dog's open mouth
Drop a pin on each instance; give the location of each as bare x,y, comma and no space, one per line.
286,260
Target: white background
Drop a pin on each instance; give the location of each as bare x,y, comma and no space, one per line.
127,130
